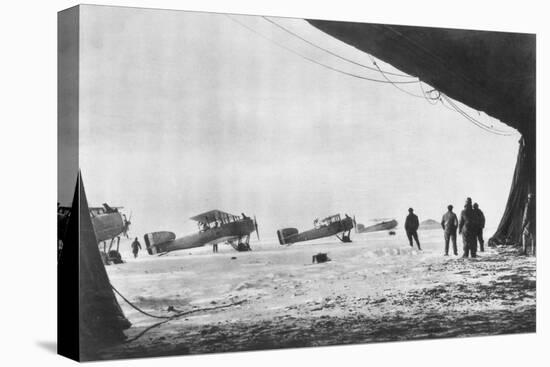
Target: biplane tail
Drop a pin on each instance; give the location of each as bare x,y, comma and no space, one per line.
155,240
285,233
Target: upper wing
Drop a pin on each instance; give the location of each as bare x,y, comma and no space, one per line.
212,215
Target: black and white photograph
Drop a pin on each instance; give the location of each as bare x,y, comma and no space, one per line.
247,182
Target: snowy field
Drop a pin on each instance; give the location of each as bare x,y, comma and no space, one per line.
374,289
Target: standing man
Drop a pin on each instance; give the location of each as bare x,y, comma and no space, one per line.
467,226
136,246
480,219
449,223
411,226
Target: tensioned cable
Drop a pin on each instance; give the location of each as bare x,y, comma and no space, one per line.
474,121
477,122
392,82
444,105
461,76
432,101
430,53
455,107
389,81
330,52
314,61
468,117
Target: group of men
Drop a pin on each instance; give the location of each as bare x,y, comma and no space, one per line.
470,226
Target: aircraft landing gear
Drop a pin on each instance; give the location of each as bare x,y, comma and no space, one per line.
345,237
241,245
117,243
244,245
112,256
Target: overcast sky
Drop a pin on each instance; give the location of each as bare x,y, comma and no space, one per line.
183,112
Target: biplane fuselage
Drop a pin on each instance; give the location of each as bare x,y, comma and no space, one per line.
232,229
382,226
336,226
108,226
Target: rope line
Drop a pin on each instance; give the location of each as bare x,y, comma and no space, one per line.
432,101
168,318
425,95
434,56
137,308
473,120
476,122
181,314
314,61
330,52
392,82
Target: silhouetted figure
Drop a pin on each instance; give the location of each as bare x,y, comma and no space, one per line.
468,227
136,246
411,227
449,223
215,248
480,219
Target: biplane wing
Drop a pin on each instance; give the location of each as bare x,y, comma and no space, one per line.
103,208
92,208
213,215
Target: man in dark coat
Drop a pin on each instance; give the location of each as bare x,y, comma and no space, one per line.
411,227
468,227
136,246
449,223
480,219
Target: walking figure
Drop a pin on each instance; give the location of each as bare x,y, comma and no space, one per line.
136,246
411,227
449,223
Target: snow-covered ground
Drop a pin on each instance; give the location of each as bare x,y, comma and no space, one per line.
374,289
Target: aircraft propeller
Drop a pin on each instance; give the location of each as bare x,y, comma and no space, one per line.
256,227
127,226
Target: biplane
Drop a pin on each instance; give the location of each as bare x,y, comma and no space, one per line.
214,227
385,225
329,226
108,222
